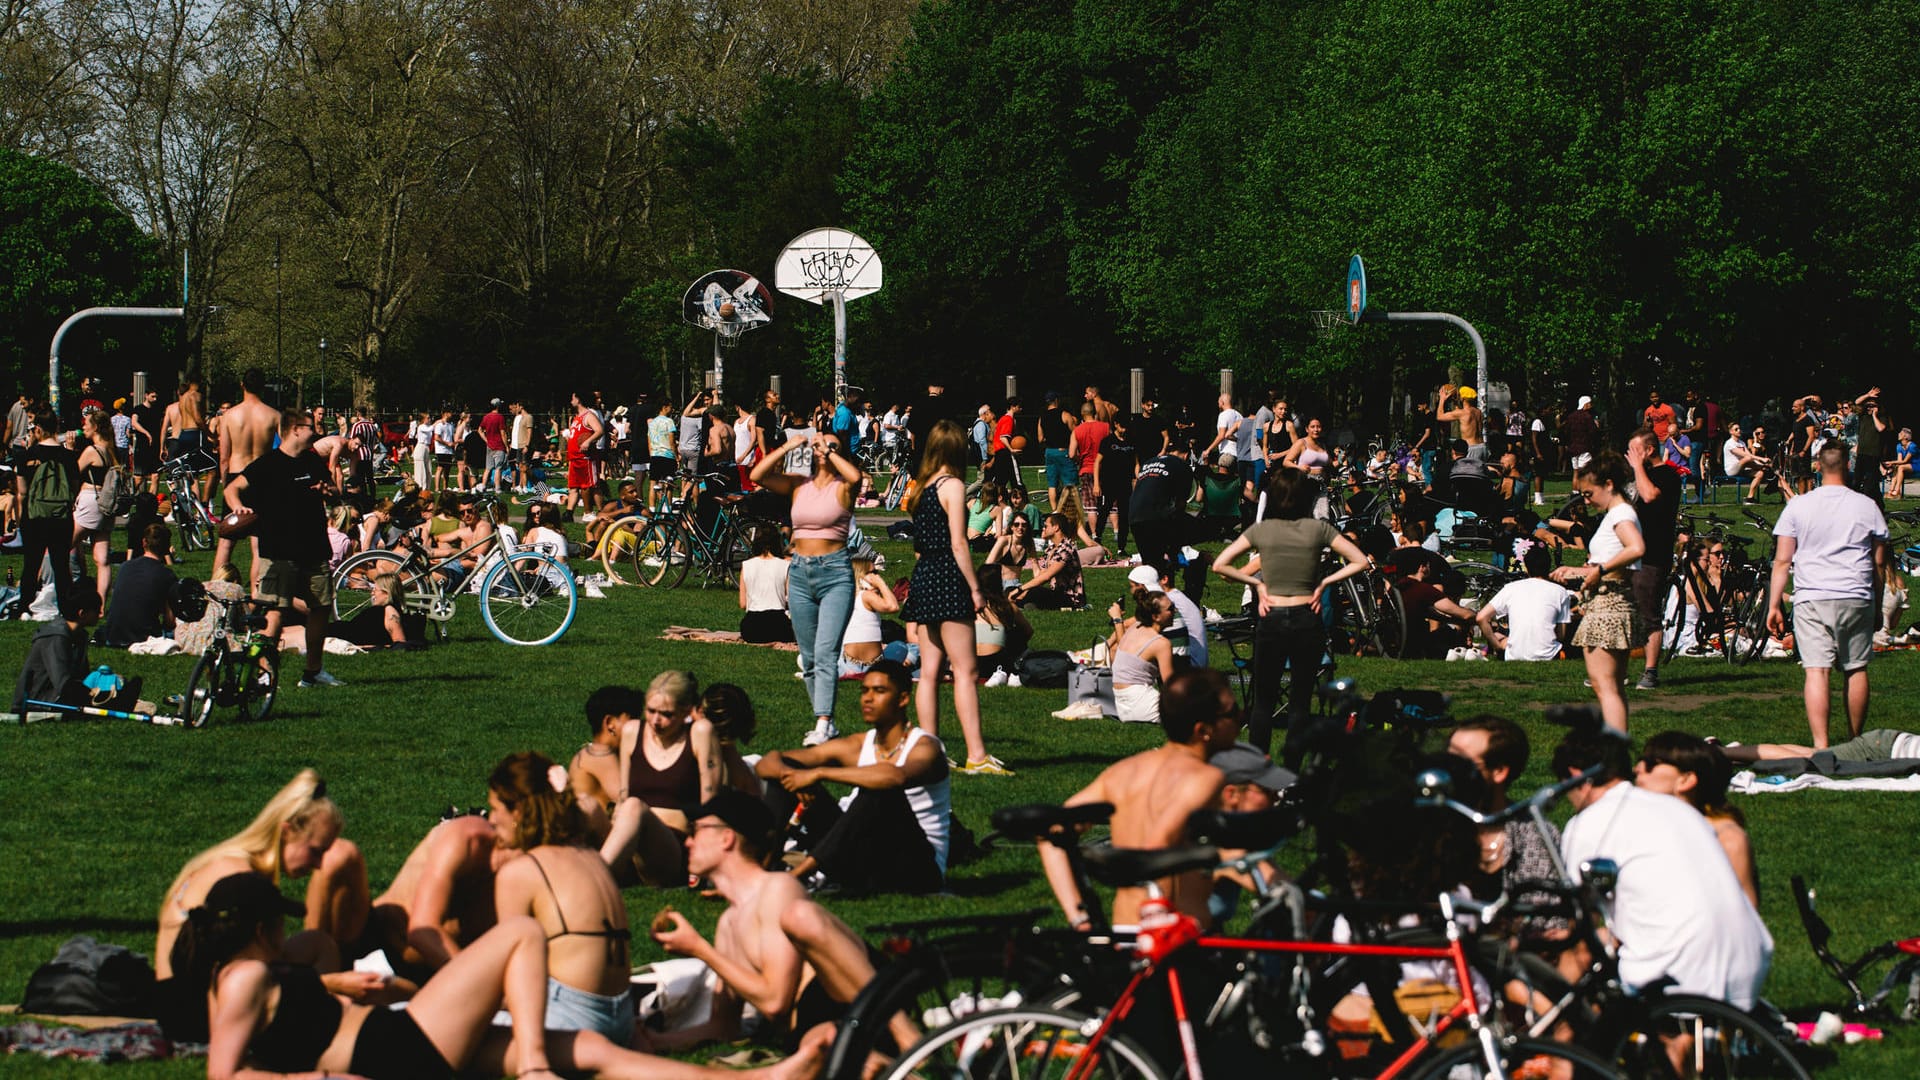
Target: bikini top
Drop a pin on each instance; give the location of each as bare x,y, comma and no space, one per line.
617,937
676,787
302,1026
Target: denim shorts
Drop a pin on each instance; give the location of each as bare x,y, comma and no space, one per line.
569,1009
1061,471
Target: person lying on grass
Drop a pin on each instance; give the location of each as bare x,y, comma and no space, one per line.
272,1017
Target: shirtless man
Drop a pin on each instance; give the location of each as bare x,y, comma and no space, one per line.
1153,793
475,527
442,899
333,448
771,940
247,431
594,773
1471,420
1103,410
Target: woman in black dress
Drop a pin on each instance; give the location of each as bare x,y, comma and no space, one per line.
944,594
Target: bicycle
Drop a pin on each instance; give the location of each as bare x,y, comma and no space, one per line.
1370,614
193,520
677,539
240,666
527,597
1862,1005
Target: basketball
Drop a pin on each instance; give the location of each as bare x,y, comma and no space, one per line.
726,310
1018,442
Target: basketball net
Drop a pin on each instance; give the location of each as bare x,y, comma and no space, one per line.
1327,323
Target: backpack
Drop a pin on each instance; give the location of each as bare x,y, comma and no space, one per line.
50,491
1045,669
115,495
88,978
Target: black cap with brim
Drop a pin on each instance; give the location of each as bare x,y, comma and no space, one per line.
248,893
743,814
1243,763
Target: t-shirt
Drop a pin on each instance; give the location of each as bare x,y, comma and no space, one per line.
1730,457
493,428
1534,610
1660,418
1290,551
1247,440
140,594
1068,582
1224,423
692,440
1118,457
1002,431
522,430
1579,432
443,437
660,437
1605,543
1192,623
1834,530
122,424
1162,490
1678,910
1086,442
1148,432
1657,514
149,417
21,423
1867,442
286,492
28,458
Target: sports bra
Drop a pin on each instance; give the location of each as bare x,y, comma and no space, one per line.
616,936
1311,459
676,787
302,1026
986,633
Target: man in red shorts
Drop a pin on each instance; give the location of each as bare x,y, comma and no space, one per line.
583,434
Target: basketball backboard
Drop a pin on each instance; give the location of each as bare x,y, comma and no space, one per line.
727,302
1356,289
821,262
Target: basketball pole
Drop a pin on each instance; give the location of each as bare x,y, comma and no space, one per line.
719,367
839,346
1479,346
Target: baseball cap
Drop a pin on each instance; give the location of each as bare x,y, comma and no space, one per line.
1584,402
1147,576
743,814
248,893
1245,764
496,401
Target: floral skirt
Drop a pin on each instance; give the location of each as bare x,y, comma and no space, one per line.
1612,621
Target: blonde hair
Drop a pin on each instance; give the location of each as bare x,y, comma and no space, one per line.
681,686
300,804
389,582
341,517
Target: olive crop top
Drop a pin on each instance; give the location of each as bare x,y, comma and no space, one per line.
1290,552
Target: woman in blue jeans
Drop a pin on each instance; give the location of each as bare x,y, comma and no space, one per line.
820,575
1289,545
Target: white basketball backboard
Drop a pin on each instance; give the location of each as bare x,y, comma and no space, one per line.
820,262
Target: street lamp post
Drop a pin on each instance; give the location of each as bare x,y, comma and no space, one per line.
323,373
279,363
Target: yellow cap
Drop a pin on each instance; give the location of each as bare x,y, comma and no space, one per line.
1467,393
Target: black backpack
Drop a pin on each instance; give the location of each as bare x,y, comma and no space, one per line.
1045,669
87,978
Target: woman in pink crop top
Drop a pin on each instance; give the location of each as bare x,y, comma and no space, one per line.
820,576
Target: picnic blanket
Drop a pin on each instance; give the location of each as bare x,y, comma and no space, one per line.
123,1040
1822,770
721,637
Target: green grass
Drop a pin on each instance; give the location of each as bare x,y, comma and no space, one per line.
96,816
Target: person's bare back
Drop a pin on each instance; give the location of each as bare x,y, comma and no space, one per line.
191,416
1153,794
444,891
246,432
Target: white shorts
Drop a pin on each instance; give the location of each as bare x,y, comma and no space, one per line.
1137,704
87,513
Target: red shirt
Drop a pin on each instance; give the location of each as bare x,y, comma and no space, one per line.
1002,431
493,428
1086,442
1660,418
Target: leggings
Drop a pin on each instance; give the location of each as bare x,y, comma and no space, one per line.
1287,643
51,539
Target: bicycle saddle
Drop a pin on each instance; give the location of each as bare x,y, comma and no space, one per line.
1260,829
1135,866
1035,820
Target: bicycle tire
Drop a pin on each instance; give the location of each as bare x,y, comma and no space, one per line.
1023,1044
203,688
528,598
353,581
1727,1044
260,686
1391,623
617,546
660,559
195,531
1747,634
737,547
1673,618
1523,1059
897,490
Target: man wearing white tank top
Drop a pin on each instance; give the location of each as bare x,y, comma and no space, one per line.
890,834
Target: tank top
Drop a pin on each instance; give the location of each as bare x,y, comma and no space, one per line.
1131,669
932,804
863,625
303,1024
986,633
1279,439
818,513
982,519
742,442
676,787
1054,429
579,437
766,584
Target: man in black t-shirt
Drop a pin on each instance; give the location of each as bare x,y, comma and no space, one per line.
1656,499
1159,505
141,593
1149,430
46,514
1114,467
288,488
928,411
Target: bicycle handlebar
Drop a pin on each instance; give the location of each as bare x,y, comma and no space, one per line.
1436,790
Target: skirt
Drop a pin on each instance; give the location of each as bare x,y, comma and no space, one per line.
1612,620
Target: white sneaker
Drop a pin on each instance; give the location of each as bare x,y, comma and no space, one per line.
821,733
1882,639
1013,680
998,678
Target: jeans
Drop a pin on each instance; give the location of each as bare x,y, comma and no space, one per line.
1288,641
820,596
1696,460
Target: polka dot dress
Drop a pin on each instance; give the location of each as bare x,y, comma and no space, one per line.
937,592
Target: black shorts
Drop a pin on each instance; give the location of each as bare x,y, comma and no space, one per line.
1650,593
660,468
391,1046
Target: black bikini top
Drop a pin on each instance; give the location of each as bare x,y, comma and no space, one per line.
617,937
303,1024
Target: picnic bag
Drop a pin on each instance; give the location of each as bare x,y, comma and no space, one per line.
88,978
50,491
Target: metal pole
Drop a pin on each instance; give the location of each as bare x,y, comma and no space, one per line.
139,393
323,375
279,360
707,379
53,353
1479,346
1013,386
719,366
1137,388
773,383
839,346
1226,381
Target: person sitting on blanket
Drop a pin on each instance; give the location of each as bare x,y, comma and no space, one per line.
773,948
890,834
56,669
1686,765
1880,744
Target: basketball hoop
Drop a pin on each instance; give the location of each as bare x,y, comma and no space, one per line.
1327,323
729,331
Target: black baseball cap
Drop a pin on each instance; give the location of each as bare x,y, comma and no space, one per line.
251,894
743,814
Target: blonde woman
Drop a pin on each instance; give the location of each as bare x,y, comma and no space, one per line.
92,521
664,780
296,835
944,594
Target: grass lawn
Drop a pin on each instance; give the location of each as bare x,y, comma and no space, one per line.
96,816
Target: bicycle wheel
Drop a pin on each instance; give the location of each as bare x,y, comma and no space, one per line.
1390,625
897,489
353,582
737,547
1673,620
660,556
196,532
618,545
203,687
528,599
259,683
1023,1044
1747,629
1683,1036
1522,1060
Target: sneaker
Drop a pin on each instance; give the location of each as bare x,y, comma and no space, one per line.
322,677
998,678
1649,680
1013,680
990,766
1882,639
820,734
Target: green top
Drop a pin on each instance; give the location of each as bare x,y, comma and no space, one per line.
1290,553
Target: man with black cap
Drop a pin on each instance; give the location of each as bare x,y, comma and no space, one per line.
769,933
1254,783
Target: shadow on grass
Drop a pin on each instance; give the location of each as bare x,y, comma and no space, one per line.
992,884
34,927
1099,760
